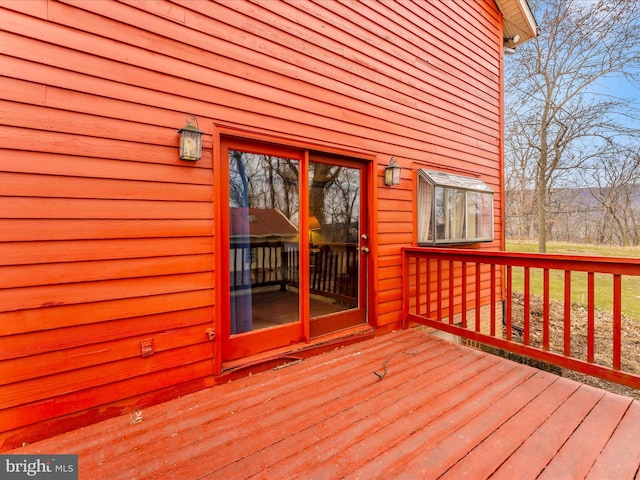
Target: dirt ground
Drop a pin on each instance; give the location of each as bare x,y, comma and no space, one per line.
603,340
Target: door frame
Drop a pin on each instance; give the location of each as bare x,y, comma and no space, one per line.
286,145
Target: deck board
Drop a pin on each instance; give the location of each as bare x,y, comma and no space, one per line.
576,457
501,443
619,459
433,422
459,443
343,416
441,410
530,459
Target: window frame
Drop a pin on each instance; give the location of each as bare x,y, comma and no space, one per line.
442,212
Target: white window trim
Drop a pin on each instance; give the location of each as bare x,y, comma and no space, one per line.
430,184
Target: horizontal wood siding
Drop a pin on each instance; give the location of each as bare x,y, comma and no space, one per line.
106,237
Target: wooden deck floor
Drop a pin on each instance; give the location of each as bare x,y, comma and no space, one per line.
440,410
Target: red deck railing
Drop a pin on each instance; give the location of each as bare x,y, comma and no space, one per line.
472,294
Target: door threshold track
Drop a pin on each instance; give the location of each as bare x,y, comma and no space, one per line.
283,357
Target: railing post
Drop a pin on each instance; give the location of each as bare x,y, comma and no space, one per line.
493,300
439,287
404,262
418,275
478,293
463,311
428,288
451,291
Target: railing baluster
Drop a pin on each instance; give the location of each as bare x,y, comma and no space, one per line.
617,320
527,306
567,313
243,271
451,292
334,272
508,313
591,300
545,313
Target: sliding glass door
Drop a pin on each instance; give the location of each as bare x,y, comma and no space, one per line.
292,248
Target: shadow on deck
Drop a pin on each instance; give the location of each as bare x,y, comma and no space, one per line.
401,405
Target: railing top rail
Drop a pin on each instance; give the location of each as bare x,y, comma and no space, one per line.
580,263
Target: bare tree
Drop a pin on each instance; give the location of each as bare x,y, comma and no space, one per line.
615,184
558,115
519,172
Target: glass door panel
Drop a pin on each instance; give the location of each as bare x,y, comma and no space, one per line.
264,241
336,270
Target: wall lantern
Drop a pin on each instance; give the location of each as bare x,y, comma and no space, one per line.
392,173
190,140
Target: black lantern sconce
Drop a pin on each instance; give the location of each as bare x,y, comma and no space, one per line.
190,140
392,173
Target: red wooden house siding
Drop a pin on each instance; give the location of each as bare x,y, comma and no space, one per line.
107,238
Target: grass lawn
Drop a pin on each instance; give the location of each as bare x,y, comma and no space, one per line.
603,283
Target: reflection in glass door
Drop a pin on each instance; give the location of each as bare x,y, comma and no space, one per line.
336,241
263,241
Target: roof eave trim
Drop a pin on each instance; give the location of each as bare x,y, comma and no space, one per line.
518,18
533,25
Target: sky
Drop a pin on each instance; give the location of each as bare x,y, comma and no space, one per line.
619,86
